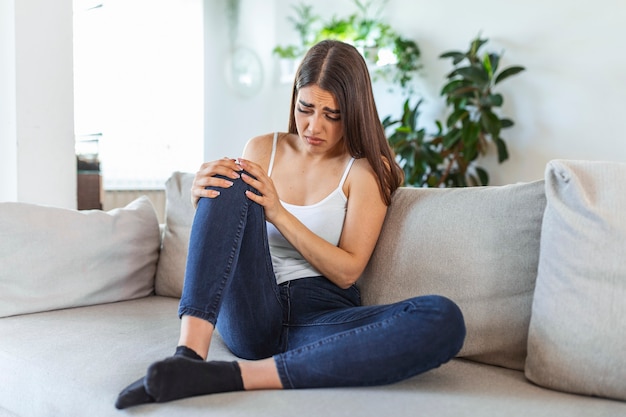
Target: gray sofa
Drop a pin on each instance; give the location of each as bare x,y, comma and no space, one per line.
88,300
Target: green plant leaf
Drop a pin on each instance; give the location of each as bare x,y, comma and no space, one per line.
470,135
439,127
504,123
456,116
432,181
462,97
289,51
492,100
455,55
475,74
454,85
476,45
483,176
457,179
503,153
469,154
506,73
388,122
491,123
470,141
451,138
494,61
487,66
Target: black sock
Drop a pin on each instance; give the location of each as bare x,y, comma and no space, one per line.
188,353
135,393
179,377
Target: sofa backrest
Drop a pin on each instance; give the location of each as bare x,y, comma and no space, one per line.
478,246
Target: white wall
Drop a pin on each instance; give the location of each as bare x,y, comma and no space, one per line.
8,133
37,147
567,104
230,119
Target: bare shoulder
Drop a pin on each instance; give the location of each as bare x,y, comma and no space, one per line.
259,149
362,171
361,180
258,146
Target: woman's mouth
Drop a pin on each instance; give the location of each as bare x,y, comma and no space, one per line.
312,140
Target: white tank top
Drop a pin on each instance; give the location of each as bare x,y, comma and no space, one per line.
324,218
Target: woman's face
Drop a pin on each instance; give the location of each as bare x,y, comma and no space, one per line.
318,119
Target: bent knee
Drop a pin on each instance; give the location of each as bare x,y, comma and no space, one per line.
448,309
445,316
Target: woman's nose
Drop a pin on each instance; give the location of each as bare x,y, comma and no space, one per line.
314,124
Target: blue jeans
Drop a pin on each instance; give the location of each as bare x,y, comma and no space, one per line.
318,334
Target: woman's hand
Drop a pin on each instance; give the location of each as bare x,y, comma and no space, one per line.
265,186
205,177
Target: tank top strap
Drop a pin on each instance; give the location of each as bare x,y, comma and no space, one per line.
345,173
271,166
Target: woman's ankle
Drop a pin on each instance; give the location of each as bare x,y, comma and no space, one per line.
261,374
196,335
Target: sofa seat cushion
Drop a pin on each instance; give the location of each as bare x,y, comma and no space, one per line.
479,246
54,258
74,362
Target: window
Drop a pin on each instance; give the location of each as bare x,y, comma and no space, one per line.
139,87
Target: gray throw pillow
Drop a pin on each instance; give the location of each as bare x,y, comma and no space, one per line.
179,215
55,258
577,337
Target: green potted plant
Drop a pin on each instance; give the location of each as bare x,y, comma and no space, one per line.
391,56
304,22
403,65
414,151
448,158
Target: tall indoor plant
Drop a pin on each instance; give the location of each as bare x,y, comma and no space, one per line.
448,157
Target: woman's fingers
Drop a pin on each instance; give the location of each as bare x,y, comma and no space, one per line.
213,182
257,178
206,177
226,167
267,195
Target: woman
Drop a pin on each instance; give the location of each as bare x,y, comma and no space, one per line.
279,239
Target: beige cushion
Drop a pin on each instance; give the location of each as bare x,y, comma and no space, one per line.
577,339
478,246
56,258
178,219
74,363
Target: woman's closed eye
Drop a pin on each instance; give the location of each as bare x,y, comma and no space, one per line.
304,111
332,116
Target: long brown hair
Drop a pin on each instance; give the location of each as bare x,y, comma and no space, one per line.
340,69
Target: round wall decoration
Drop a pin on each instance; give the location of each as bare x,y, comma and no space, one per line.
244,71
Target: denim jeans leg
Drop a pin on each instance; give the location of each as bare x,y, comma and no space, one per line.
229,272
374,345
251,316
